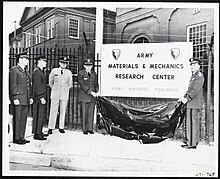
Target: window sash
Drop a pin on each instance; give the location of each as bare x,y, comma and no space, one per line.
50,29
73,28
28,39
198,35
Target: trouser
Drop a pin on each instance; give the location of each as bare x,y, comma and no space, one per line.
88,115
55,103
192,126
38,118
19,120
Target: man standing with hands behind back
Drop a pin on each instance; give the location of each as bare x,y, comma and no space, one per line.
193,100
20,97
60,81
39,95
89,87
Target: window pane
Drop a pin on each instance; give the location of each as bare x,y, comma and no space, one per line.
73,27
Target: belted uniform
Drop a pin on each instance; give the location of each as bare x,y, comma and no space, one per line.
88,83
39,91
194,105
60,81
19,88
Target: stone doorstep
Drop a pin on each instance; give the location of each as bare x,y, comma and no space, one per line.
29,158
97,163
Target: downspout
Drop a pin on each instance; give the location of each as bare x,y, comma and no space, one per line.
15,35
168,29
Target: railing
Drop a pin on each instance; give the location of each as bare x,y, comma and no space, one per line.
73,114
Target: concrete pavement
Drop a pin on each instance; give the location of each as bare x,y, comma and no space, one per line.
110,155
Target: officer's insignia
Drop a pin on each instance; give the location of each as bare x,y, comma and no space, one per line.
175,52
116,53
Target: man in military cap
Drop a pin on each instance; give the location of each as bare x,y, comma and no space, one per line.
20,96
60,81
193,100
89,87
39,96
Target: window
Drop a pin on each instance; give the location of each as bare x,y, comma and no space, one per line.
198,35
73,28
38,34
50,28
28,39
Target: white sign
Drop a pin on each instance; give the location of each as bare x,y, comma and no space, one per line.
159,70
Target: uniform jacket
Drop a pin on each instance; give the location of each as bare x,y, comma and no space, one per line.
60,83
38,84
194,92
20,85
87,85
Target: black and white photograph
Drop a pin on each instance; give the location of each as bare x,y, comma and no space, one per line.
118,89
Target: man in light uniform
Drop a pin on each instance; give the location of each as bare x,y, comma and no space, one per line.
193,100
60,81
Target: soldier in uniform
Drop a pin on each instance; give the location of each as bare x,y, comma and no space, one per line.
39,96
89,87
193,100
60,81
20,97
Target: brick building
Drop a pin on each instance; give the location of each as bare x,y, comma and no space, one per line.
162,25
61,27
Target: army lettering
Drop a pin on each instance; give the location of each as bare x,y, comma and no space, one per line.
144,55
163,77
129,76
166,66
144,66
132,66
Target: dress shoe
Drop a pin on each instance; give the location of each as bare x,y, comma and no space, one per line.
188,147
91,132
61,131
50,131
39,137
20,142
26,141
44,135
85,132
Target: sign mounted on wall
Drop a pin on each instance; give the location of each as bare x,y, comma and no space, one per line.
155,70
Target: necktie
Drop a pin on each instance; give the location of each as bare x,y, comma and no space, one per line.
61,72
89,74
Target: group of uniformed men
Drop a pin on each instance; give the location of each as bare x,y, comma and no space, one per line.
25,90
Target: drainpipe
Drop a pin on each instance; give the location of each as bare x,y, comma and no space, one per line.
15,35
168,28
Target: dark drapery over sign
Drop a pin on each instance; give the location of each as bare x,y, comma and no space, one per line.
148,124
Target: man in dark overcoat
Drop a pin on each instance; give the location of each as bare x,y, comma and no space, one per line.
39,96
20,97
193,100
89,87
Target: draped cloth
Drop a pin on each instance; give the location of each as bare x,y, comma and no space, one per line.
147,124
